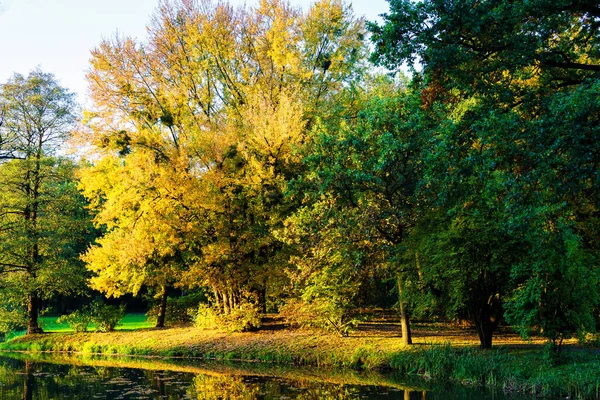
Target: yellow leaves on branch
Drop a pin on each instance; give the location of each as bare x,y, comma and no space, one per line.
194,123
271,134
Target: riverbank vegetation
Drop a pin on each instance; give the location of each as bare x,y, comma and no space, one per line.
441,353
442,164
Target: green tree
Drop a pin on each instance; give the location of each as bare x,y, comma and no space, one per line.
44,224
364,174
511,162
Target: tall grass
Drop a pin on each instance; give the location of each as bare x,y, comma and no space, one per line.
576,375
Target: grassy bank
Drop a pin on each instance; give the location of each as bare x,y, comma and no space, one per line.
513,367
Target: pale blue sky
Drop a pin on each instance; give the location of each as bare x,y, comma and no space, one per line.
57,35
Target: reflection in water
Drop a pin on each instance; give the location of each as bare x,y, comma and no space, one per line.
28,381
25,379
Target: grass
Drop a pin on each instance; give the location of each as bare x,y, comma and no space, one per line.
130,322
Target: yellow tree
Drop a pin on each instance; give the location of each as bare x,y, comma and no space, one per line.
141,206
211,103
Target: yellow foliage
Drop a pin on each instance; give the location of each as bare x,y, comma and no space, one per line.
193,129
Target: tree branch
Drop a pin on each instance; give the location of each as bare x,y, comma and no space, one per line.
572,65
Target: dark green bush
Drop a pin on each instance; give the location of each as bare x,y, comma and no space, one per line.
104,316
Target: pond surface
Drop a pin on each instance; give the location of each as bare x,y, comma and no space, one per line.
50,377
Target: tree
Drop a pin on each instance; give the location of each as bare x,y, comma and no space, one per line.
139,205
364,175
219,98
510,160
43,222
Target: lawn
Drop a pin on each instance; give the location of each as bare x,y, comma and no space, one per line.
129,323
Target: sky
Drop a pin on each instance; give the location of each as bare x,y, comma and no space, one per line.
57,35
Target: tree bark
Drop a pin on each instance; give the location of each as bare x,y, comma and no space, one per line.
485,333
162,310
32,315
486,319
404,317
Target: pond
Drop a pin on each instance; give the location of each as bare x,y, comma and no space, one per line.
68,377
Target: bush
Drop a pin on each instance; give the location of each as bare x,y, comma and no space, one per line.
106,317
319,313
206,317
11,319
243,318
78,320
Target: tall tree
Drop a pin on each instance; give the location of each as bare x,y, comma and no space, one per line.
42,216
511,162
367,170
220,97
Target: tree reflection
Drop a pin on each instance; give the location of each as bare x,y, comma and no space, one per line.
28,381
223,387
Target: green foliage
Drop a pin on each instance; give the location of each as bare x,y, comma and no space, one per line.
12,309
512,169
492,47
106,317
545,303
78,320
44,224
360,191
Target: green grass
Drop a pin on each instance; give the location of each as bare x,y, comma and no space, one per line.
130,322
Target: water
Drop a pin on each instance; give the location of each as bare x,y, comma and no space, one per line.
51,377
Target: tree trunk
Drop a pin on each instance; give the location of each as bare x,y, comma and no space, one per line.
162,310
32,315
404,317
262,299
487,318
485,333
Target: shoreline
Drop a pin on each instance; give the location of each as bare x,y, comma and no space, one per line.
511,367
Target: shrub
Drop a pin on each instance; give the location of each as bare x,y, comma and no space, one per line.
243,318
78,320
206,317
11,319
319,313
106,317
